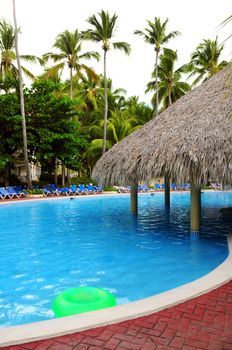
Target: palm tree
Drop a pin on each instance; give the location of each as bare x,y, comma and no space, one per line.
119,125
142,112
8,64
24,129
155,34
205,60
170,88
102,31
69,45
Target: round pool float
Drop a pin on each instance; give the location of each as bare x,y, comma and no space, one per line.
83,299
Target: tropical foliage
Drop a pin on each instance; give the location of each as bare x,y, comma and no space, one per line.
72,122
205,60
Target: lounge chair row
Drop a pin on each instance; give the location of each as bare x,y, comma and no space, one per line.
12,192
52,190
157,187
173,187
218,186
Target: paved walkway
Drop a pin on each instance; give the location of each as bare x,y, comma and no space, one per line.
201,323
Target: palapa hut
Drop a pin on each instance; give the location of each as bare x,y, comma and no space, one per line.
191,141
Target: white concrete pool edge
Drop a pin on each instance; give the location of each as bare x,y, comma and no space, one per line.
57,327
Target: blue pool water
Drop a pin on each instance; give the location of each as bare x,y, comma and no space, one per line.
49,246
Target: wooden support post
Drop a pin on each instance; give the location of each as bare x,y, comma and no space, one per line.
134,199
167,191
195,207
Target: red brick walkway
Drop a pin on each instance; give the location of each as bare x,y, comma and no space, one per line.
201,323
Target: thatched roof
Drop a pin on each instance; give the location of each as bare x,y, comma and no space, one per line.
192,139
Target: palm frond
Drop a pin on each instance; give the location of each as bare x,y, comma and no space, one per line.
123,46
32,59
54,71
28,73
89,55
90,72
226,21
54,56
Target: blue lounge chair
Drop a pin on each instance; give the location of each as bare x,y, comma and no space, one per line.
157,187
186,186
14,193
22,192
83,189
91,189
98,189
5,193
65,190
173,187
74,190
47,192
54,189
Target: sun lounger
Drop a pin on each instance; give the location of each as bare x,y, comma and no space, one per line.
91,189
5,193
74,190
83,189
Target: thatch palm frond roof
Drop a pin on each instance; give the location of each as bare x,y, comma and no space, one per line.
191,140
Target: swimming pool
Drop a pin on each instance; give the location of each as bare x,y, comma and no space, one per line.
49,246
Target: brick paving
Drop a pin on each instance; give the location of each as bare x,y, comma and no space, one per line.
201,323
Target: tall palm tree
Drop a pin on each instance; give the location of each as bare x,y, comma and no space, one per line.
156,35
205,60
69,45
170,88
102,31
24,129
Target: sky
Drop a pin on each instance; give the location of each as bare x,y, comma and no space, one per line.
42,20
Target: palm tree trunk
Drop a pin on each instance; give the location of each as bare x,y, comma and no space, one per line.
105,106
71,96
63,175
68,177
169,99
71,84
7,175
55,173
156,82
24,130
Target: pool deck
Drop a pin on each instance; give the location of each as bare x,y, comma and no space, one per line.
204,322
195,316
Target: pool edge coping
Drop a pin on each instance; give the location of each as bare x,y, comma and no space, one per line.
31,332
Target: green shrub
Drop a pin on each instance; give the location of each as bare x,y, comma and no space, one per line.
35,191
110,189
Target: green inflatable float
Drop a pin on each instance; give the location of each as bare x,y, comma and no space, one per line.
78,300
